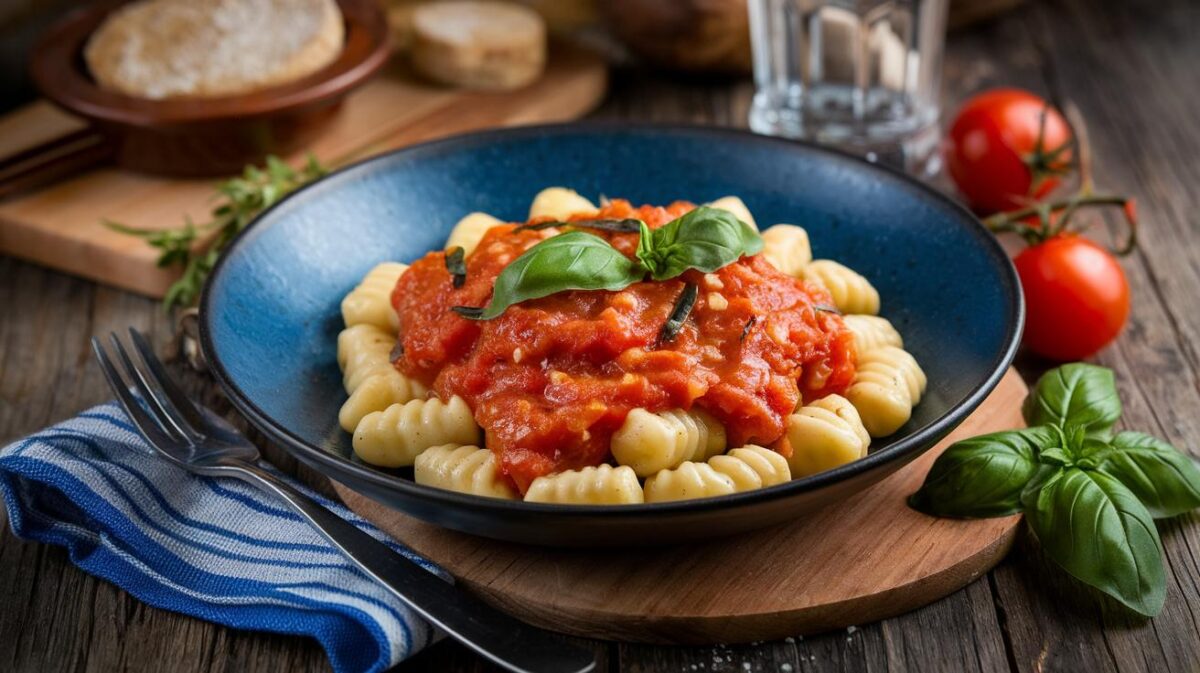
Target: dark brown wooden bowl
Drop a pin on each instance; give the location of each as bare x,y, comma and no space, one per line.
192,137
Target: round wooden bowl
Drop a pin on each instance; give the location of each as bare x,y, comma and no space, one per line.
192,137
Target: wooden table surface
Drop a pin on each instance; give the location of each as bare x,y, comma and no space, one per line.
1131,68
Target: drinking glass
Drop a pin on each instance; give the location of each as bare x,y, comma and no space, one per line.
863,75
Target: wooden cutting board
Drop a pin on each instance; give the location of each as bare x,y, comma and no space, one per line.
859,561
60,226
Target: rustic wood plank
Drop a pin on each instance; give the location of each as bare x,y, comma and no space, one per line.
56,617
1122,69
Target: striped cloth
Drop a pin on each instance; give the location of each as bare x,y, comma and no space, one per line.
216,549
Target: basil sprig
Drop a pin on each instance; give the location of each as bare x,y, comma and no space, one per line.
704,239
1089,497
572,261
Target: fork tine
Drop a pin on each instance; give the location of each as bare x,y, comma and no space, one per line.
149,428
170,425
175,396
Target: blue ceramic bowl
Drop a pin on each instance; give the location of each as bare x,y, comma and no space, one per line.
270,313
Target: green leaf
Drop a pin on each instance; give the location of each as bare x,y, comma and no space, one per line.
1055,455
1166,481
982,476
704,239
1076,394
571,261
1095,528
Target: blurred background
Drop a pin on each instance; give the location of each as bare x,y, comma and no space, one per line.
686,38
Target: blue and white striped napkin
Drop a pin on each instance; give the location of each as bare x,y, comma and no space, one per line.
216,549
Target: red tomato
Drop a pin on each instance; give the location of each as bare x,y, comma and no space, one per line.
1076,297
992,150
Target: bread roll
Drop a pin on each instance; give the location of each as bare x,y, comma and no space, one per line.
181,48
478,45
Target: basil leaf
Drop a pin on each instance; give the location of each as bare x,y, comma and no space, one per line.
1095,528
1078,394
704,239
571,261
1166,481
982,476
1066,446
1045,474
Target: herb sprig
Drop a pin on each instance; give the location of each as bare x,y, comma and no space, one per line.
1089,496
239,200
704,239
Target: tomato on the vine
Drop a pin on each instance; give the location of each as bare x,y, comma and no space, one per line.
1007,148
1076,297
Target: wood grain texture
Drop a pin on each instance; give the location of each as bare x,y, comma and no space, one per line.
1131,68
861,560
1140,109
60,226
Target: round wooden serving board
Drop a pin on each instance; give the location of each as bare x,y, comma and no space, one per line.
862,560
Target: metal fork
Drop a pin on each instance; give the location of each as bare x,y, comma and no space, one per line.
198,440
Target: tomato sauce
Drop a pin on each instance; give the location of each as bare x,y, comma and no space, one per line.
550,380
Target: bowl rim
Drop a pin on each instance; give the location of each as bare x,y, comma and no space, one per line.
353,474
58,69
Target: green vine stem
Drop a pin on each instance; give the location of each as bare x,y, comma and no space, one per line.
1056,217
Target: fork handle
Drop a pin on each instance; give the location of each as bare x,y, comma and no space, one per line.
504,640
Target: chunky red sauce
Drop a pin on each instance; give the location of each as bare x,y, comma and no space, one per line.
551,379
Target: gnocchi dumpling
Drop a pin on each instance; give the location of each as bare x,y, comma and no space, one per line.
368,375
872,332
466,469
887,385
599,485
467,233
787,247
825,434
751,467
851,292
689,481
736,206
370,302
744,469
559,203
650,442
395,436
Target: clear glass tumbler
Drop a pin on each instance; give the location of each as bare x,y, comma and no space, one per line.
863,75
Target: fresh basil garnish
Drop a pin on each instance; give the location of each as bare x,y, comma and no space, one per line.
1089,497
1082,394
457,266
982,476
571,261
1098,531
704,239
1166,481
